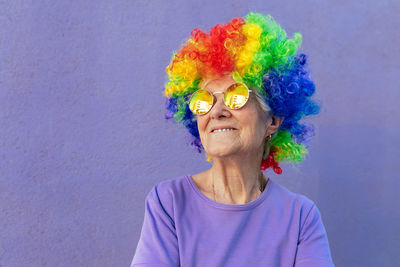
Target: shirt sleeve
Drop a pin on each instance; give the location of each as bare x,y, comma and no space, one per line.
158,243
313,246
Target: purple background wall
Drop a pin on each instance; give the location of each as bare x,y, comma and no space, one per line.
83,138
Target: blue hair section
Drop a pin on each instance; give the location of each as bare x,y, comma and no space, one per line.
288,94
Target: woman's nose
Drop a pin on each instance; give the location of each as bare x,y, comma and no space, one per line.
219,108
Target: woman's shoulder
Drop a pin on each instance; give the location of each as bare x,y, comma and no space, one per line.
168,189
290,198
166,193
170,184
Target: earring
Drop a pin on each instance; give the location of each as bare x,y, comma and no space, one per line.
269,137
208,158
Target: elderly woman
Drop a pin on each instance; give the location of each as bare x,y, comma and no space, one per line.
241,91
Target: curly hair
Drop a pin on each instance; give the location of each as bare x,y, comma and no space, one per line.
257,52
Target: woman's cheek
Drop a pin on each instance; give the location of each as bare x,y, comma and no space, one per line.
201,124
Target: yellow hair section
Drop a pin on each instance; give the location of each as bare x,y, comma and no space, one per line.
245,56
181,76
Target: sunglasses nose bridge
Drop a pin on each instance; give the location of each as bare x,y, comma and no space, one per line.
220,92
215,98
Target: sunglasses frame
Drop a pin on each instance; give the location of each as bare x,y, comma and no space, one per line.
220,92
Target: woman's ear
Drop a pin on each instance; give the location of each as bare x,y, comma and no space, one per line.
273,124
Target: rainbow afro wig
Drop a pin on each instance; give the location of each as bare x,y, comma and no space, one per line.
257,52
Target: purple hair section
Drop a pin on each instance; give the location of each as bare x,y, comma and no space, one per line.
170,108
187,118
288,94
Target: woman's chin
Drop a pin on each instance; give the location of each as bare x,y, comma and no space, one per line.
222,152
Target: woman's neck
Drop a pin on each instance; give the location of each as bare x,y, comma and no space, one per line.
235,181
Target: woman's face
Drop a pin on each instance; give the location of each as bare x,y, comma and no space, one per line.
249,124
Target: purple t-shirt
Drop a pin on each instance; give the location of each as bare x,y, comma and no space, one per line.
183,227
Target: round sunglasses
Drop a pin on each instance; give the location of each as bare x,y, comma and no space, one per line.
235,97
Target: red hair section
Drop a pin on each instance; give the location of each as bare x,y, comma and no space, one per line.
214,52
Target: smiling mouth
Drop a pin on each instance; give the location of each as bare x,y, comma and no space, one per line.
223,130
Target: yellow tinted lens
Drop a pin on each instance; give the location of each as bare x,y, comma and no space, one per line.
201,102
236,96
